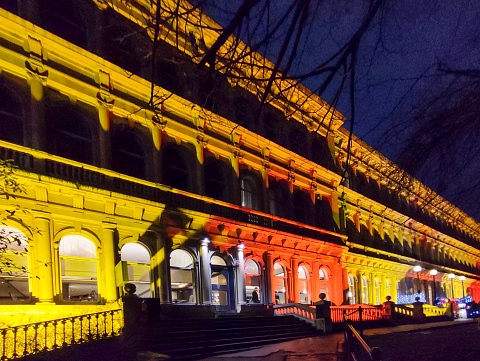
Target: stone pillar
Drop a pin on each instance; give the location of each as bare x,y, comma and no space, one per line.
269,289
108,269
44,257
163,276
241,287
205,273
295,288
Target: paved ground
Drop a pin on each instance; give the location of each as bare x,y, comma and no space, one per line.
423,342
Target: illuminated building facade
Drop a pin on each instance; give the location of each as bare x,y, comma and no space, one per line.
197,203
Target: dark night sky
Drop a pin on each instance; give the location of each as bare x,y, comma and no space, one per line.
398,60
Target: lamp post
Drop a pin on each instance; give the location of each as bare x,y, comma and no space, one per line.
462,278
451,276
417,269
433,273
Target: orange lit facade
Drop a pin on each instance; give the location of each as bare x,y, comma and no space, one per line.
197,202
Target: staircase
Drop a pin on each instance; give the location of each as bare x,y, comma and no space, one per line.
197,339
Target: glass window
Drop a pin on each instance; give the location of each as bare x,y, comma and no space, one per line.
175,169
365,290
72,137
78,268
138,267
279,284
182,275
248,193
14,286
377,292
215,180
128,154
11,117
352,293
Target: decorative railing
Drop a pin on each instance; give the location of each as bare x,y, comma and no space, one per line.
20,341
406,310
430,311
306,313
366,312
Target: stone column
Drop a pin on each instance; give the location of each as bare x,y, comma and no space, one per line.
241,288
205,273
44,257
163,274
269,289
295,288
108,269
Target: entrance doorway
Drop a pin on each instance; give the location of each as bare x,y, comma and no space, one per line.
221,276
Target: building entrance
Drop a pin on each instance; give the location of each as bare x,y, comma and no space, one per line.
221,284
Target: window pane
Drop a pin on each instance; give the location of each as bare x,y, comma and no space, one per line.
135,253
77,246
251,267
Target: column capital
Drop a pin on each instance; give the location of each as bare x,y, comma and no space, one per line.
204,242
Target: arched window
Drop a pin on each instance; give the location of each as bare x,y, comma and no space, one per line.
175,169
352,290
248,193
71,136
377,292
11,117
304,285
252,278
137,258
14,268
78,260
215,180
128,154
365,298
301,206
280,284
182,275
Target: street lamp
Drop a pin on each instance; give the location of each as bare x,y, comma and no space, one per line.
417,269
433,273
462,278
451,276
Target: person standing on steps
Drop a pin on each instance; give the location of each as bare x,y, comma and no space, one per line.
255,296
323,319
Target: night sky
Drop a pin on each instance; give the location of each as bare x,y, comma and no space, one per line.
397,69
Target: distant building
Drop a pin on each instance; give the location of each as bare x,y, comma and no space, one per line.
198,202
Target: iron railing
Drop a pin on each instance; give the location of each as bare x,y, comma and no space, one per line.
354,338
20,341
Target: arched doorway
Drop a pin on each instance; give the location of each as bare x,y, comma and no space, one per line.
252,279
182,277
280,284
304,285
221,276
138,268
78,261
324,280
14,273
